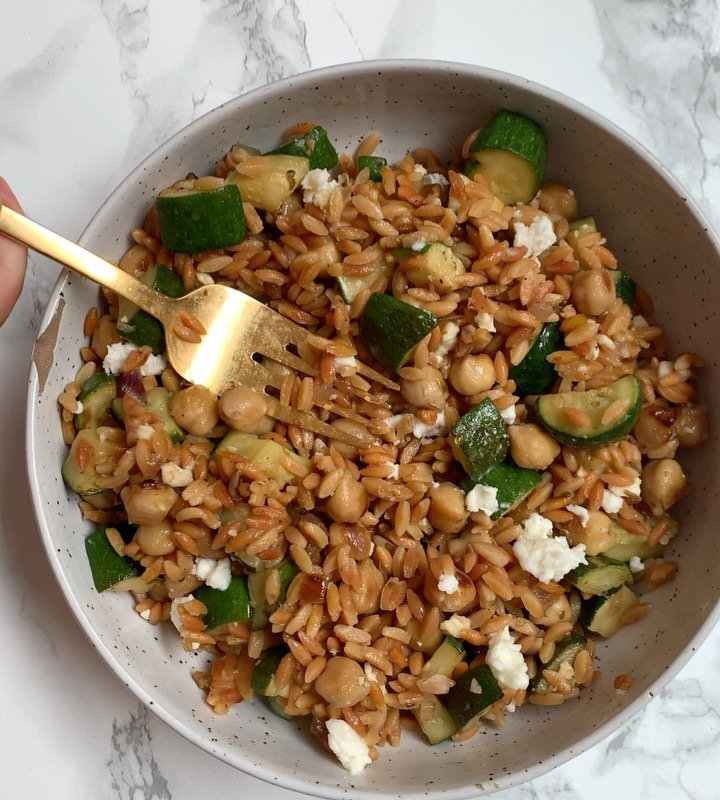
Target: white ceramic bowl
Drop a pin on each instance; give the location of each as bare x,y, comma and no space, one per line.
660,238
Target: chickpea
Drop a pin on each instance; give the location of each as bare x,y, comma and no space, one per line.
472,374
430,391
691,428
532,447
349,501
104,335
349,426
155,539
342,683
558,199
596,534
447,512
459,600
355,535
148,504
366,600
242,408
654,426
195,409
593,291
663,483
137,260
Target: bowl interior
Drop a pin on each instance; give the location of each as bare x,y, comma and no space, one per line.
658,239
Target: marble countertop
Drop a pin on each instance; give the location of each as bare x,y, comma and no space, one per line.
87,90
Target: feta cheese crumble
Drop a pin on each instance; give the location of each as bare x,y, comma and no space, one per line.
175,609
482,498
448,583
611,503
418,245
176,476
395,471
636,564
475,687
547,557
317,187
579,511
537,236
346,365
144,431
506,661
485,321
435,179
119,351
426,433
216,574
509,415
625,491
448,338
80,408
351,749
455,625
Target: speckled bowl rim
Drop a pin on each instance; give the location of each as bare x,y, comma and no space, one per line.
269,92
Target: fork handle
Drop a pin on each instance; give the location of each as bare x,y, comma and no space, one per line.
51,244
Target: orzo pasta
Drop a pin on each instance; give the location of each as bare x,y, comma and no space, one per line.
513,508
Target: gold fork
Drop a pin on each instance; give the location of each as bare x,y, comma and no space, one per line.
241,333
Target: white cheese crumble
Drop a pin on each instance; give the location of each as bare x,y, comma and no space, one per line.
579,511
664,368
145,614
537,236
475,687
80,408
541,554
485,321
455,625
351,749
448,338
119,351
346,365
144,431
418,173
175,609
636,564
482,498
509,414
426,433
317,187
506,661
448,583
435,179
611,503
627,491
395,471
216,574
419,244
176,476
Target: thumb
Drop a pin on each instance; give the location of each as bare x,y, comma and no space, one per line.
13,259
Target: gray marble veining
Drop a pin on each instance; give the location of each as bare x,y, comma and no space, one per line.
133,770
664,57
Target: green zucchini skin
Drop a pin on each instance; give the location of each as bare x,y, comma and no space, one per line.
314,145
549,409
535,373
223,607
602,613
374,165
464,705
197,221
106,566
599,575
96,394
263,676
625,287
392,328
565,651
479,439
513,485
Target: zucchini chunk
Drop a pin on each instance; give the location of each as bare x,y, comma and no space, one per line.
136,325
555,413
193,221
96,395
350,286
392,329
599,575
511,152
444,660
86,451
373,164
264,453
277,706
439,726
158,402
435,265
314,145
472,696
625,287
628,545
263,677
602,614
273,187
225,606
109,570
513,485
565,651
479,439
261,609
535,373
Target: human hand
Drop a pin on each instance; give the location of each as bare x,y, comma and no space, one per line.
13,260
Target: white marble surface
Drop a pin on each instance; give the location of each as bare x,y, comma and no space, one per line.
87,89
